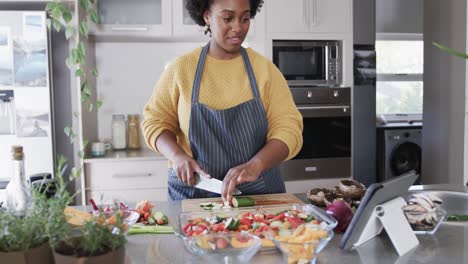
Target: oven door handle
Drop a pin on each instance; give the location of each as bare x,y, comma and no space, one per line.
323,111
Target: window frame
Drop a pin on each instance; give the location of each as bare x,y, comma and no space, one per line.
400,77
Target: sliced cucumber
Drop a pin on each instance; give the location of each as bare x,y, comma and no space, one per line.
158,215
302,215
309,218
208,204
232,223
242,201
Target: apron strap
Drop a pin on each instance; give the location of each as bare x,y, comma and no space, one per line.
250,72
198,74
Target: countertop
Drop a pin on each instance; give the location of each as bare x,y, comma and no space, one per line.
122,155
448,245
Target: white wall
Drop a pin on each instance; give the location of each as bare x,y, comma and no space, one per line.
444,92
127,75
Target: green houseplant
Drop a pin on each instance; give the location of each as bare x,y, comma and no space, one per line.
451,51
24,239
95,241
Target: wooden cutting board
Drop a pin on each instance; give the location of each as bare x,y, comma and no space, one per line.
260,200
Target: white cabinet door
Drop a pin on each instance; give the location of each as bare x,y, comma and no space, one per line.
183,24
115,175
151,18
330,16
287,15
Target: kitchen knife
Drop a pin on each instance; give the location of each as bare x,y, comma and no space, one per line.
211,184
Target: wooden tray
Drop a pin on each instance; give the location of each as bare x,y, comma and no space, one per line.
260,200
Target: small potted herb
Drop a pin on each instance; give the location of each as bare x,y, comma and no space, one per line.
100,239
23,238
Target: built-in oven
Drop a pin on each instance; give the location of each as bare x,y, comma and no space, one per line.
309,62
326,149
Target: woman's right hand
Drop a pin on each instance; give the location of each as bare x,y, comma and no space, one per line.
186,167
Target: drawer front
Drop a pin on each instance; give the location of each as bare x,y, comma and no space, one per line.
126,175
128,196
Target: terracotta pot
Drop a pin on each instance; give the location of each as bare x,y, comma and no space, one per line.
41,255
113,257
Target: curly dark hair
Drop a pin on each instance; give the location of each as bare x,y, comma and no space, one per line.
197,8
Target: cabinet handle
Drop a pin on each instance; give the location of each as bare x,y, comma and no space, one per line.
315,13
129,29
304,12
138,175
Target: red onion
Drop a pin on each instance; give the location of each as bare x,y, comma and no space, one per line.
342,212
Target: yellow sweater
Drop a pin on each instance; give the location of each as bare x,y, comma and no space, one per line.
224,84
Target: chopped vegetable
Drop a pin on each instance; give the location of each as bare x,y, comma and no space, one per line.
457,217
242,201
342,212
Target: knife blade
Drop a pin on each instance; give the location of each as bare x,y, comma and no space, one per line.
211,184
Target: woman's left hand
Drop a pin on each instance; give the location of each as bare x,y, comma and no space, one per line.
247,172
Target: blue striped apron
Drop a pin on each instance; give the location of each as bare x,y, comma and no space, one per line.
223,139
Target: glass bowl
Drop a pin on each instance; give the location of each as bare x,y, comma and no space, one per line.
225,248
268,245
304,243
422,224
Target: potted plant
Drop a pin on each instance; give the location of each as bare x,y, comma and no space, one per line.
101,238
23,238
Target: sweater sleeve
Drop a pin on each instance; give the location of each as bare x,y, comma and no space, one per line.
285,121
160,113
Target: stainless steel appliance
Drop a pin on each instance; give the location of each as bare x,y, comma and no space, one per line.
326,151
309,62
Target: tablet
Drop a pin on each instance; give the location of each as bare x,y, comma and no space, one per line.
376,194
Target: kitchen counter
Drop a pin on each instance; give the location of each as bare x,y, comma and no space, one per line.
121,155
446,246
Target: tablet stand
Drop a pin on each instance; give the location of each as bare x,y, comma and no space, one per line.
390,216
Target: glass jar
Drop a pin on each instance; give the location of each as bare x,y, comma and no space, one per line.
18,191
119,133
133,128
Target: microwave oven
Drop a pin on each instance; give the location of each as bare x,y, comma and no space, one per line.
309,62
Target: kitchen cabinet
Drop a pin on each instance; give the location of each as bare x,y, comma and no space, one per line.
309,16
146,18
184,26
130,180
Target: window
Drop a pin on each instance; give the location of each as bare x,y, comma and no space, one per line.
399,76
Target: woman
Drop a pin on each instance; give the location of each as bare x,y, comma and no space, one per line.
223,111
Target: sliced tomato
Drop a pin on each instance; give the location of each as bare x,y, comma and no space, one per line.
186,227
218,227
243,227
270,216
245,221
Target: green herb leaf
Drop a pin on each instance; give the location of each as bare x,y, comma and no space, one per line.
67,16
57,25
95,73
67,130
85,143
84,29
69,32
84,97
56,13
451,51
79,72
84,4
98,104
93,16
48,23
